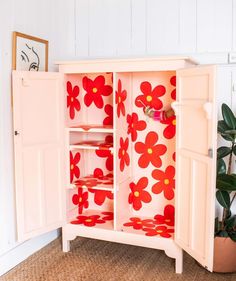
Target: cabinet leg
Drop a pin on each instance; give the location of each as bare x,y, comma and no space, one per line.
179,263
65,245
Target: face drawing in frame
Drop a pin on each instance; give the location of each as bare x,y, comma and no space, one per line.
29,53
30,58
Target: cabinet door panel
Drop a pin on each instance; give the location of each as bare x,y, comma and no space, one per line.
39,152
196,162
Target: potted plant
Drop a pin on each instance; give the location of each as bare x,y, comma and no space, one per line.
225,226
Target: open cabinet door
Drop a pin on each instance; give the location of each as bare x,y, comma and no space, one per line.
196,162
39,152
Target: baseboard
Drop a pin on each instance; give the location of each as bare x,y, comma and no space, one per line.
24,250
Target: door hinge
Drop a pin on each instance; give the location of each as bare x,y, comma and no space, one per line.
210,152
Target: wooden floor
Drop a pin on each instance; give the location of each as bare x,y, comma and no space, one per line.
91,260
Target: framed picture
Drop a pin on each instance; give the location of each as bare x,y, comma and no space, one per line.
29,53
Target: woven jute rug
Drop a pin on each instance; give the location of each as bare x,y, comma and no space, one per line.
94,260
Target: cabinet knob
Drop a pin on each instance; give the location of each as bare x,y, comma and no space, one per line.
16,133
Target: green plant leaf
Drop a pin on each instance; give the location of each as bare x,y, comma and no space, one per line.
234,150
222,127
223,233
217,225
231,222
221,167
226,182
223,151
228,116
223,198
232,235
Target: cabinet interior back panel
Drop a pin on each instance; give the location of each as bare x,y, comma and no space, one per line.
145,148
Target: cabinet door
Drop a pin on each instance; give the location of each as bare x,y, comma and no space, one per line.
39,152
196,162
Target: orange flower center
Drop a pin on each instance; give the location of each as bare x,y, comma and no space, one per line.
149,151
139,222
95,90
136,194
72,166
80,200
119,100
159,231
166,181
167,220
123,152
84,186
149,98
174,122
72,99
88,220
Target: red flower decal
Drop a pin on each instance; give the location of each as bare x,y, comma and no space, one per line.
163,231
95,90
108,216
109,111
74,169
120,98
81,199
137,223
173,156
150,151
101,195
86,183
173,83
169,131
106,154
135,125
150,97
123,154
166,182
168,218
72,101
88,220
138,194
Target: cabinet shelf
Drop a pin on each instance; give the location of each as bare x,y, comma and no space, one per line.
97,183
92,129
94,145
94,219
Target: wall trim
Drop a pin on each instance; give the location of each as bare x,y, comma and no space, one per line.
18,254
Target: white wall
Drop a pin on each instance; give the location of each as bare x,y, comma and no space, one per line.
106,28
205,29
48,19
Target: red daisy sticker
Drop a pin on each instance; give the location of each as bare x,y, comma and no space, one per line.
108,216
74,169
163,231
150,97
150,151
166,182
72,102
88,220
120,98
169,131
138,223
86,182
81,199
138,194
173,83
101,195
135,125
123,154
168,218
106,154
109,111
95,90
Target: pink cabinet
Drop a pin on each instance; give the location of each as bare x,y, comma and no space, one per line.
88,159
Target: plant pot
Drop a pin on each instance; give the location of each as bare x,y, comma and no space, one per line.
224,255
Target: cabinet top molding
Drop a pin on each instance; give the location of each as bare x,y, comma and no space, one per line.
126,65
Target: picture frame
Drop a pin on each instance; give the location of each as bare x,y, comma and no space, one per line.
29,53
